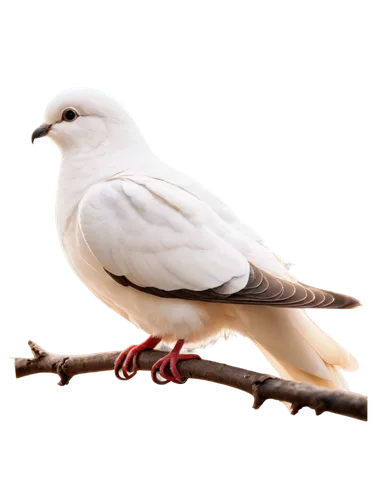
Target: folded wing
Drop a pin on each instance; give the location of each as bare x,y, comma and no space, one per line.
163,240
159,235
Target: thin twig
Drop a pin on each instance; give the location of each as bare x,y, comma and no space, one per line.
260,386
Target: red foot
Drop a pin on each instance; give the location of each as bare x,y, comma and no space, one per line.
171,360
127,360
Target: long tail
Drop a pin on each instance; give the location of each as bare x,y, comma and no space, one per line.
295,346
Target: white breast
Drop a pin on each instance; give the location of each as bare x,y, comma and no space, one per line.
172,319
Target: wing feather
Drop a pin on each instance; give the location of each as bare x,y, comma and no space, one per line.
158,235
160,239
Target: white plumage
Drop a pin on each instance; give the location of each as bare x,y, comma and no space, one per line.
121,210
159,235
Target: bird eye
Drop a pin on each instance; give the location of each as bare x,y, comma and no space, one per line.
69,115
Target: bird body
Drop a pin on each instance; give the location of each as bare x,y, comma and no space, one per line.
168,255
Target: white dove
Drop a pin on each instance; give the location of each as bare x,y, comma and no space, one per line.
172,258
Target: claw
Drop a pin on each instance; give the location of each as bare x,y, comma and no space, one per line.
170,361
127,360
126,363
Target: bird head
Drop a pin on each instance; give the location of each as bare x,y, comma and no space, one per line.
85,119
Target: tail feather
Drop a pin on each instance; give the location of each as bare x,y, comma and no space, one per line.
296,347
331,351
286,371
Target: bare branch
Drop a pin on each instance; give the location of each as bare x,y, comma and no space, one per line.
260,386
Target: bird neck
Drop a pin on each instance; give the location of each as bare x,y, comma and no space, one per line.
82,169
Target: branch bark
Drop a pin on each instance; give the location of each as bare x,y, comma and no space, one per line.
260,386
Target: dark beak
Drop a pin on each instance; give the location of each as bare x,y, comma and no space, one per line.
41,131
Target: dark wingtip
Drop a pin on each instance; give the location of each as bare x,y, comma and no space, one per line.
352,303
344,301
